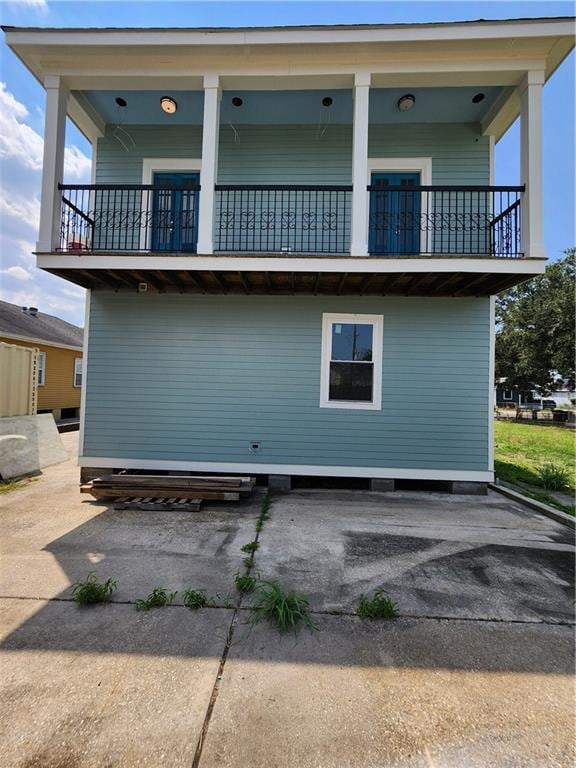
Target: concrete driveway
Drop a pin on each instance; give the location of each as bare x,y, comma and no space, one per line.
476,672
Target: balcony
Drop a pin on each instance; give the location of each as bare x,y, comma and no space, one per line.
293,220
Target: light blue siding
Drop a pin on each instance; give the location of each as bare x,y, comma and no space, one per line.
300,154
198,378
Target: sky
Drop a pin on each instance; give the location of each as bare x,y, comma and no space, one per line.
22,114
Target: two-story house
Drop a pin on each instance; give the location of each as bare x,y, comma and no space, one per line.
285,226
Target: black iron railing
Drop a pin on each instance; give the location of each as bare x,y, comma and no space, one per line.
444,221
290,219
283,219
129,217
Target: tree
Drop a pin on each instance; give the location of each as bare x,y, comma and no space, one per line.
535,335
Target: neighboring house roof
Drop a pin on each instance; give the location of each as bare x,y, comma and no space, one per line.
26,323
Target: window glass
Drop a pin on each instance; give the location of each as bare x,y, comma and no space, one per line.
41,368
352,342
351,381
78,372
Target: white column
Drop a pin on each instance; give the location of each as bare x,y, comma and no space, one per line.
532,236
53,163
209,169
359,245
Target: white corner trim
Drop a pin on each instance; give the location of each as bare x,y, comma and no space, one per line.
491,375
492,155
152,165
320,470
328,319
84,375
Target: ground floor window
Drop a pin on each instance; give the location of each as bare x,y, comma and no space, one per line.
78,372
507,394
41,368
351,371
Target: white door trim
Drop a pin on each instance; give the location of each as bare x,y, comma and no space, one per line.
422,165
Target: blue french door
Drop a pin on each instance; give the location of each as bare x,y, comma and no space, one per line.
394,214
175,212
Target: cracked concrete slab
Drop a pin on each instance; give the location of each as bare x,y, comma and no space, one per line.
438,555
106,685
403,694
53,536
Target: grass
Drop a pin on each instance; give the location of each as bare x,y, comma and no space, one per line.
92,591
287,611
534,457
250,548
195,598
244,583
379,606
158,598
8,486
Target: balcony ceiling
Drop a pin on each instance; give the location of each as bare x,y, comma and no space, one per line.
433,105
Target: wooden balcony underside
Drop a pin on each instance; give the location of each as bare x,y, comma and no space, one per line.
288,283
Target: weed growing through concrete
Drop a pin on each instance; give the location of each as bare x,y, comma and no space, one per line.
91,591
196,598
287,611
379,606
158,598
554,477
244,583
251,547
248,562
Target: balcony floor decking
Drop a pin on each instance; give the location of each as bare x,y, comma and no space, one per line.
223,280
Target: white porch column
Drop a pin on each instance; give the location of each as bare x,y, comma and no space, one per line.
209,168
532,236
359,244
53,163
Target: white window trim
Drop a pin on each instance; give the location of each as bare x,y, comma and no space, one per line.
504,391
42,369
152,165
76,361
328,319
423,165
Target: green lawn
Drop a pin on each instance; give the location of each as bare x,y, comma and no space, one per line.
522,448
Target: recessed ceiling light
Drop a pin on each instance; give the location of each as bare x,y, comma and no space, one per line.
121,102
478,98
237,101
327,101
406,102
168,105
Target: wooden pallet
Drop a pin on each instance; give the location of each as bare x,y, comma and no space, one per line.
167,486
160,504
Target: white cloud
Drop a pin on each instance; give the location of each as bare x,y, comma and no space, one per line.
16,206
21,143
18,141
76,165
18,273
40,5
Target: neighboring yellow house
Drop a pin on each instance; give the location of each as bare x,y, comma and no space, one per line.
60,358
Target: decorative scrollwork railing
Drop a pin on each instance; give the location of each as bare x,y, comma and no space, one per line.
291,219
129,217
444,221
283,218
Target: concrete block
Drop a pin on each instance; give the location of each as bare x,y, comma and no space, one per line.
468,488
28,444
89,473
382,484
279,483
